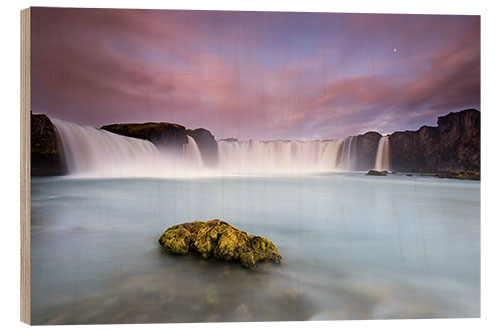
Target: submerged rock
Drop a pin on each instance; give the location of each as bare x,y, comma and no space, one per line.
220,240
377,173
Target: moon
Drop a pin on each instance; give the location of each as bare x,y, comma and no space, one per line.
394,50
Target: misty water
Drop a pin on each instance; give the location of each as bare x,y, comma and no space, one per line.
353,247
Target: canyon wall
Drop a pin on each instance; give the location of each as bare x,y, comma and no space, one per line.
454,145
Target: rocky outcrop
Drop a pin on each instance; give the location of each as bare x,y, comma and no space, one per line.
366,150
231,139
207,145
377,173
416,151
472,175
220,240
163,135
171,136
46,159
460,141
454,145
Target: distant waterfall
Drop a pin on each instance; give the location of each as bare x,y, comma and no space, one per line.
98,153
284,157
383,157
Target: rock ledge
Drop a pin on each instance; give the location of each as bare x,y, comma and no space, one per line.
377,173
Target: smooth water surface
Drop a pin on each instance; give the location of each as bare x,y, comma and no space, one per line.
353,247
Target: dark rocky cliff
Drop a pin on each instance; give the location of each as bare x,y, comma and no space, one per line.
207,145
366,148
163,135
460,141
454,145
46,159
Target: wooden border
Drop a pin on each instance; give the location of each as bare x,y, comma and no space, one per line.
25,167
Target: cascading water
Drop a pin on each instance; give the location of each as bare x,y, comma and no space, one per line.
98,153
349,153
281,157
383,157
192,153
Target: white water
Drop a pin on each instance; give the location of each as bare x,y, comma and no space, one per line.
383,157
282,157
98,153
349,151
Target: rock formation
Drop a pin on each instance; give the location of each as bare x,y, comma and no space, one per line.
163,135
377,173
171,136
220,240
366,150
231,139
454,145
46,159
207,145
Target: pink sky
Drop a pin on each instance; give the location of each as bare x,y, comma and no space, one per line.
256,75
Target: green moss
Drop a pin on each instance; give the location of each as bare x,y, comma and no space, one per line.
177,239
220,240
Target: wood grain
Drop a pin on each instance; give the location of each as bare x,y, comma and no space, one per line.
25,167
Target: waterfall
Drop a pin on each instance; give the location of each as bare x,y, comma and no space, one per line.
383,157
98,153
349,153
192,153
280,157
91,152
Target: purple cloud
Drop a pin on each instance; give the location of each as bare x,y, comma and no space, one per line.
254,74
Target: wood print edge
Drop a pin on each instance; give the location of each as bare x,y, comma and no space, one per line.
25,176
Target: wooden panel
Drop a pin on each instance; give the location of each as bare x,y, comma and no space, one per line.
25,167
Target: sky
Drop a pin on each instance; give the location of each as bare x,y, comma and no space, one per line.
254,75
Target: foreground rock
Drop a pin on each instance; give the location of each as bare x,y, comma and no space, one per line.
220,240
45,152
377,173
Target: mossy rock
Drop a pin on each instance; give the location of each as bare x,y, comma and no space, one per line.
219,240
377,173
